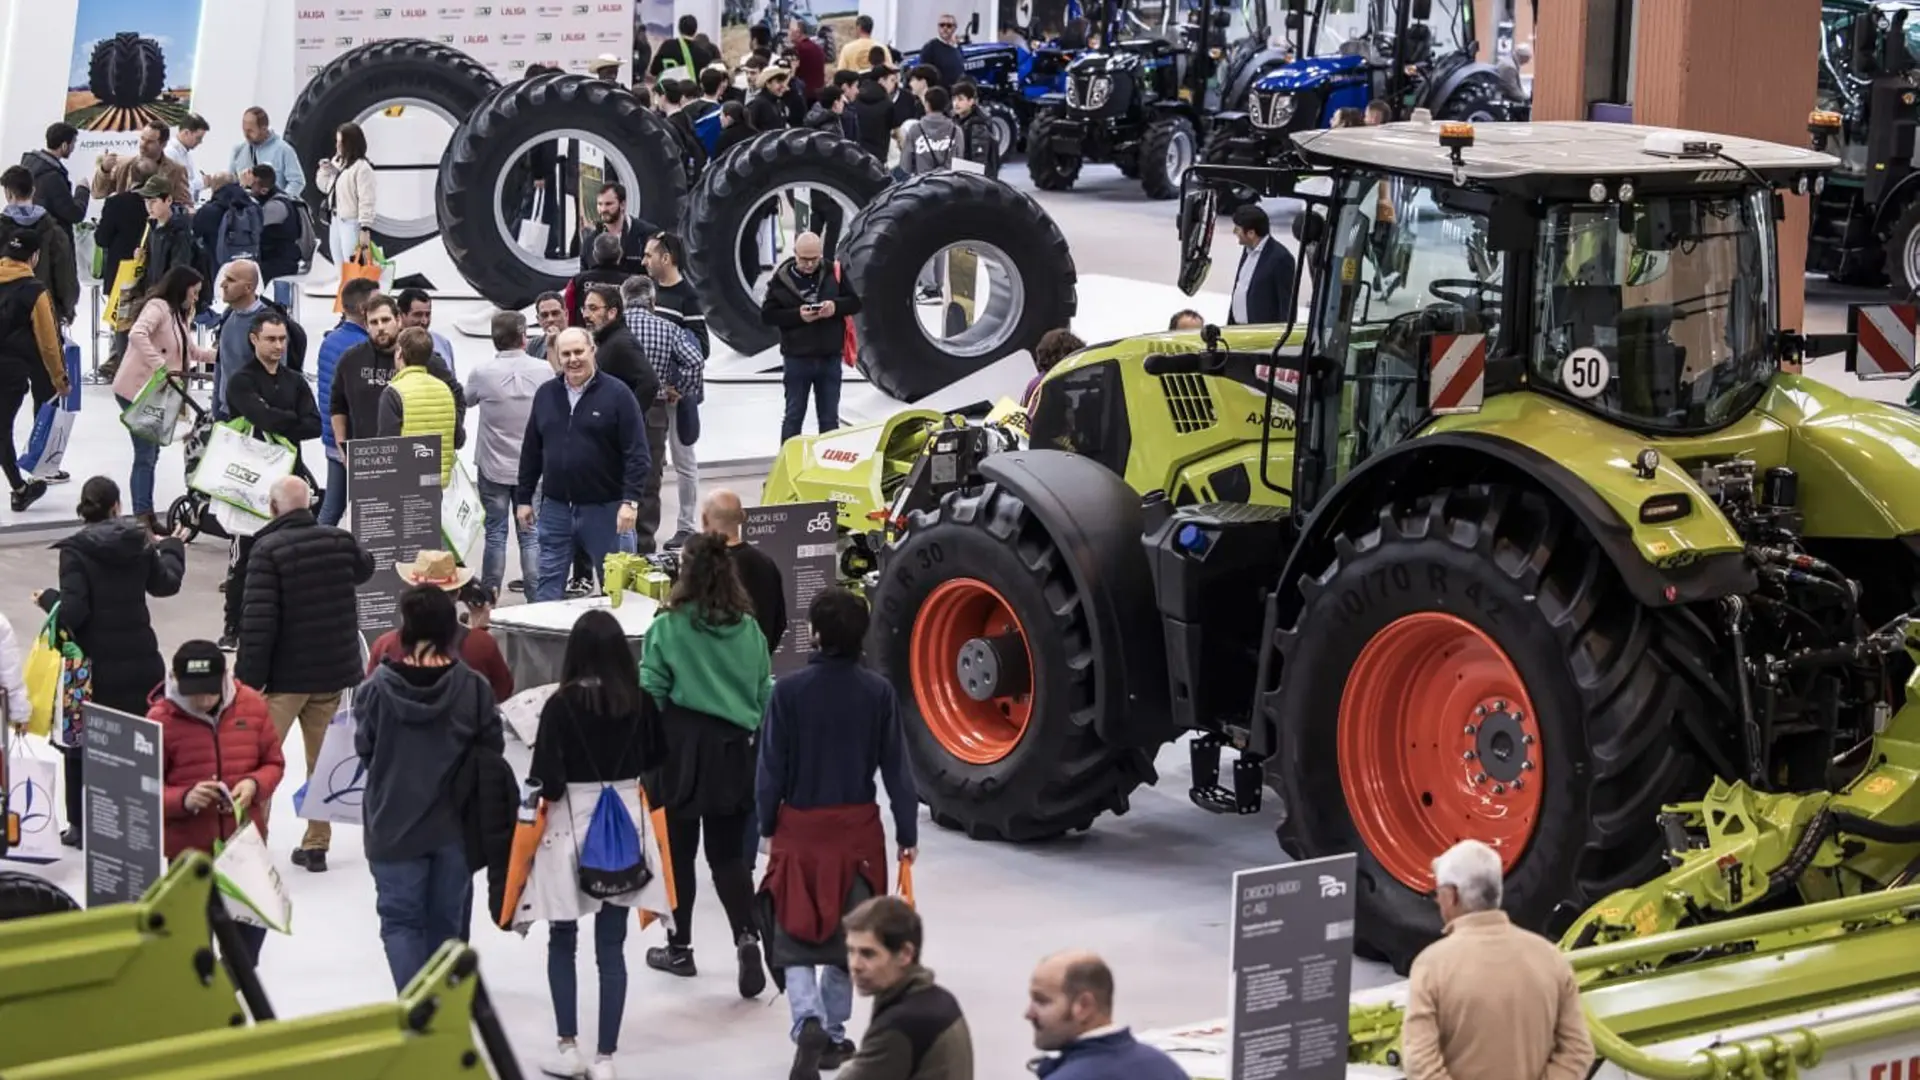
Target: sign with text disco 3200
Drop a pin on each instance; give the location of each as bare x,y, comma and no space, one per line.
393,493
801,541
1292,970
124,813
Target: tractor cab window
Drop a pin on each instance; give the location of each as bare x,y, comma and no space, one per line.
1657,313
1407,262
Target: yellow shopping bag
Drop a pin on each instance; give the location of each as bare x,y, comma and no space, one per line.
44,668
123,301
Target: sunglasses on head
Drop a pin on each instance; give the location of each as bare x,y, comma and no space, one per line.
949,26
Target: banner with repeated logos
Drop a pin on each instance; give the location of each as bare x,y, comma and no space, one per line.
506,37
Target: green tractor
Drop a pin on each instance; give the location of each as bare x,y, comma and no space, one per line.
1528,535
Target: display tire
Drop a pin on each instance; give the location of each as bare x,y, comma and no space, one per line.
1478,100
1006,127
127,71
1903,253
1610,682
889,242
1158,177
1061,775
1049,169
25,896
481,151
364,80
1214,152
731,187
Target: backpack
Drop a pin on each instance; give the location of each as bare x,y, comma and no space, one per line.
238,235
309,240
611,862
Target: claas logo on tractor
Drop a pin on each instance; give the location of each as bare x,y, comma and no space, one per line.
1897,1069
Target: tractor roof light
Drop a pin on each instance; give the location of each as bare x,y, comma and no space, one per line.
1456,135
1822,122
1626,191
1597,193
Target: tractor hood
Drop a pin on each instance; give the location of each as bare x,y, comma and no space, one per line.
857,467
1310,73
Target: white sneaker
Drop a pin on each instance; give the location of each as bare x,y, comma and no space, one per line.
602,1069
567,1063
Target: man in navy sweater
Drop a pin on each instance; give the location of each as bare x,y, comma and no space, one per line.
1070,1005
828,728
586,446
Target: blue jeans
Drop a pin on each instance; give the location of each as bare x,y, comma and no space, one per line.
333,502
563,528
818,375
824,994
146,456
609,944
497,501
420,902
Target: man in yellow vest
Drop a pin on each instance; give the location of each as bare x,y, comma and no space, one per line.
419,402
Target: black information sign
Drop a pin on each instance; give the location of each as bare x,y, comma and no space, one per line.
801,541
1292,970
124,813
393,493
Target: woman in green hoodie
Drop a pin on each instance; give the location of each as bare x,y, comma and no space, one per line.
705,666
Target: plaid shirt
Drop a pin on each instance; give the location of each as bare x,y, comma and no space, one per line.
672,350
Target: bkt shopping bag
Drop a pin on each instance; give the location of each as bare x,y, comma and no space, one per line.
339,780
534,230
155,412
239,469
30,783
243,871
463,519
53,424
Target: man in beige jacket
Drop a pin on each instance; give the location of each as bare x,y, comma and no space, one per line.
1490,1001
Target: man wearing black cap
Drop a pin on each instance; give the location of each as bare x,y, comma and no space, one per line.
31,361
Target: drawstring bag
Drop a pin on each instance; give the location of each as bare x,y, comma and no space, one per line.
610,860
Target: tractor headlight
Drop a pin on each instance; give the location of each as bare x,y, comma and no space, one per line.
1089,92
1271,111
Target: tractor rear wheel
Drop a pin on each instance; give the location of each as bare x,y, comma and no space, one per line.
1473,667
1050,169
979,624
1477,101
1166,151
1903,253
24,896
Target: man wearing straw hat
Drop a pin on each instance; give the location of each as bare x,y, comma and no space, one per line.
473,643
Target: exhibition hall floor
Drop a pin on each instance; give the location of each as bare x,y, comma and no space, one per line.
1149,890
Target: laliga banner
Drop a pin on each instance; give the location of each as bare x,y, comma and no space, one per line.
505,37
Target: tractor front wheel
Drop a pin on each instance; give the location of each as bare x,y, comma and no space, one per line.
1473,667
978,623
1166,151
1050,169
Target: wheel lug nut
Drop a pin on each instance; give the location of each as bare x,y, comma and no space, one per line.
1499,789
1468,756
1471,729
1500,706
1518,782
1479,778
1519,717
1479,710
1527,765
1526,740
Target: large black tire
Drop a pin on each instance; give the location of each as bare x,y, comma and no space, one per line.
472,222
733,187
127,71
23,896
1608,680
1903,253
362,81
1050,170
894,237
1060,776
1478,100
1214,152
1166,151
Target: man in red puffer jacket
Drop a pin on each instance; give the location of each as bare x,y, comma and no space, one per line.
220,749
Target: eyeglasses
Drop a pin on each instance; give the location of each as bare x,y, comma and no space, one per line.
949,26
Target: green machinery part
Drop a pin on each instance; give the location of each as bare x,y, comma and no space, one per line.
648,575
135,990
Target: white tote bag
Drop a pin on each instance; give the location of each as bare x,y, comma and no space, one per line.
463,518
240,470
535,230
30,781
248,883
339,780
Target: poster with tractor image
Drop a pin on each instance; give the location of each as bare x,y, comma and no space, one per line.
133,63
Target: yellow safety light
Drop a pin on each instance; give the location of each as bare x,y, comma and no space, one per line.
1456,134
1822,121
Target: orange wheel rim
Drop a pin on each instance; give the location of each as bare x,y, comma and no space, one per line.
972,670
1438,743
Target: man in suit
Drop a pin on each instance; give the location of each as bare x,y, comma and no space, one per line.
1263,285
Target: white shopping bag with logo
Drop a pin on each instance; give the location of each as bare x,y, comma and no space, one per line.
339,781
249,884
240,470
534,231
30,781
463,518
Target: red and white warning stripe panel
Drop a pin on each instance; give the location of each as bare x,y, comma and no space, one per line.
1457,373
1888,340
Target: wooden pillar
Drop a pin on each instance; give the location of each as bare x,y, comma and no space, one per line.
1560,60
1486,27
1740,67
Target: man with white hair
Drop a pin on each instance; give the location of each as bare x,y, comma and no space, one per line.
299,628
1490,1001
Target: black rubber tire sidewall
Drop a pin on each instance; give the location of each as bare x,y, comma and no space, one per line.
25,896
889,242
1478,93
127,71
1898,276
366,79
1049,170
1159,138
734,185
517,112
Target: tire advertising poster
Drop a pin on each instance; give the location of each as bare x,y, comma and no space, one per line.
132,63
504,37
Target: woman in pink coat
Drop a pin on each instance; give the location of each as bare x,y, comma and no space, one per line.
162,336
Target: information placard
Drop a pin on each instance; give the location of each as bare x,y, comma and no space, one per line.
1292,970
124,814
801,541
393,493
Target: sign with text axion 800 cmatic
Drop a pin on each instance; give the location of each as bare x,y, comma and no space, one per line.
1292,970
801,540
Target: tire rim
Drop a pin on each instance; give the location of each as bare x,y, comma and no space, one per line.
787,222
1179,155
993,317
972,671
1911,259
1438,743
424,225
1002,134
612,156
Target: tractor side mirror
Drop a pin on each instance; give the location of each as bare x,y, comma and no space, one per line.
1899,57
1886,340
1420,10
1295,21
1297,7
973,25
1865,46
1198,211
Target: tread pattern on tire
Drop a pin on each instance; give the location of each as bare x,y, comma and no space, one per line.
127,70
1153,156
1050,171
731,186
895,354
1478,91
24,896
1633,674
1089,776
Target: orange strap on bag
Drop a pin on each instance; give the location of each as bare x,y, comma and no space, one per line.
657,817
526,843
905,887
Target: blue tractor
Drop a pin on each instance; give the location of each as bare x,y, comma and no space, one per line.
1012,78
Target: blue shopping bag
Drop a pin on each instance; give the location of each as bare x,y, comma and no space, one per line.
53,424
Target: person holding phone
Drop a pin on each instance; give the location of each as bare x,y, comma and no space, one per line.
809,301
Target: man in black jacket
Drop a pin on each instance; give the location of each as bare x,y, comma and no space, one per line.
56,268
1263,283
299,628
361,376
978,141
808,302
53,188
723,516
611,205
873,111
614,349
942,53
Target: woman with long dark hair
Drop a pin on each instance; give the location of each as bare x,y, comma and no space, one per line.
107,571
348,180
161,338
594,734
707,668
